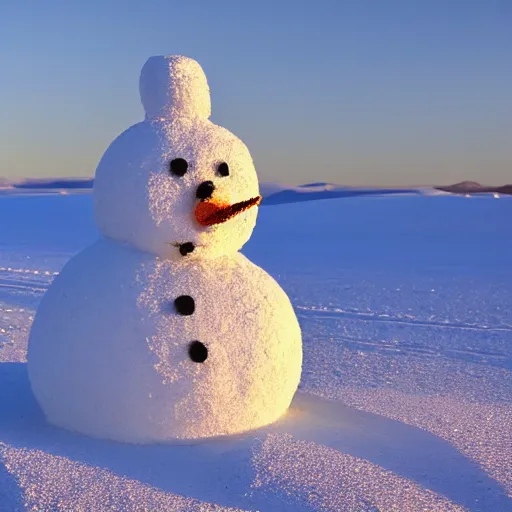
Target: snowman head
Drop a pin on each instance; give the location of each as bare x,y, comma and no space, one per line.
176,184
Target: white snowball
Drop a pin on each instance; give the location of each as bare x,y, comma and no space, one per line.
108,353
139,201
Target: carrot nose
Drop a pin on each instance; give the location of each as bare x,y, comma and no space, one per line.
208,213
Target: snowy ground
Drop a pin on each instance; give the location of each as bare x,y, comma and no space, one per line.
406,398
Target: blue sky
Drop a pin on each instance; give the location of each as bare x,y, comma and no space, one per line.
356,92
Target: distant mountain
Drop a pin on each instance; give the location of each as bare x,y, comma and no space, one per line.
472,187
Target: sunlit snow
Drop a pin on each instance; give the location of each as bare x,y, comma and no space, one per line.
405,403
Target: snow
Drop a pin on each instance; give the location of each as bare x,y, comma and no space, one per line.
173,86
405,402
284,193
108,354
278,193
135,171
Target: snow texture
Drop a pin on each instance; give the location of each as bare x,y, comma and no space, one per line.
174,86
405,401
110,355
137,199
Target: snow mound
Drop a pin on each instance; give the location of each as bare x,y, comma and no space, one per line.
276,193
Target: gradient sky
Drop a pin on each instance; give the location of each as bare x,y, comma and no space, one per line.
354,92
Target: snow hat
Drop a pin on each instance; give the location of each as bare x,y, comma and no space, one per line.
174,86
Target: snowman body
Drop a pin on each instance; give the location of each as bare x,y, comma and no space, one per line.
162,330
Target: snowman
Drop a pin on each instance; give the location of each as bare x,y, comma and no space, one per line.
162,330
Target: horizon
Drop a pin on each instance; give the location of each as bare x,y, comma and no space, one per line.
361,95
50,179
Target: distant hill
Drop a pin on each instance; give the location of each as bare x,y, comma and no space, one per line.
472,187
55,183
505,189
276,193
46,183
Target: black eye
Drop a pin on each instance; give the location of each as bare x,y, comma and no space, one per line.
223,169
178,166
